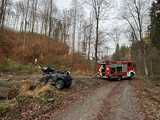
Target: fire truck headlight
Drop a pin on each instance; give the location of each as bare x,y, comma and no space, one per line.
131,74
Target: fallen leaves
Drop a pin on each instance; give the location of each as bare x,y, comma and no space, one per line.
151,100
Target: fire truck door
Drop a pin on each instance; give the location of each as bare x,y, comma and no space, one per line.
103,69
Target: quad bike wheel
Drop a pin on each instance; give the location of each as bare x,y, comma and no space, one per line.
60,84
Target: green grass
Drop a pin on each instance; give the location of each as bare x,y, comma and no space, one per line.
11,66
6,105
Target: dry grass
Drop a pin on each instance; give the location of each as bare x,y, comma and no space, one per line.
41,89
26,90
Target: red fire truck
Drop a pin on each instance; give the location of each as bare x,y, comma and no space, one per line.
116,70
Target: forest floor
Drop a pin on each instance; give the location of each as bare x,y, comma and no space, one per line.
151,99
89,99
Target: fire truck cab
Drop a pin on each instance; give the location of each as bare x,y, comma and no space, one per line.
116,70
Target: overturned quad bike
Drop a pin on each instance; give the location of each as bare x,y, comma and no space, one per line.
59,79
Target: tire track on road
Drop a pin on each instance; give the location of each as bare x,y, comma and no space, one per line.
122,104
90,107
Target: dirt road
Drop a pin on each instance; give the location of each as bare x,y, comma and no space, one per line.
113,101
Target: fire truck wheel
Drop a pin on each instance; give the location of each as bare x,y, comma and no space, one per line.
60,84
120,78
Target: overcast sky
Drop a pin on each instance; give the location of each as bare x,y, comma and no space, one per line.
62,4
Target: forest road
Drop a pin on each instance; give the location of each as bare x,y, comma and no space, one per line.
114,101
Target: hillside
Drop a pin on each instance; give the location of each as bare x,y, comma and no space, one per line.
24,48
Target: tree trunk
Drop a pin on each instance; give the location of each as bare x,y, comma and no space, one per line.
151,64
50,18
145,64
2,13
42,26
74,32
89,43
26,16
34,10
96,43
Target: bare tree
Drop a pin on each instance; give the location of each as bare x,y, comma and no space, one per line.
80,31
44,16
3,6
20,9
75,5
66,25
136,19
47,17
115,35
26,16
89,40
86,36
34,13
85,39
90,34
50,18
99,8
